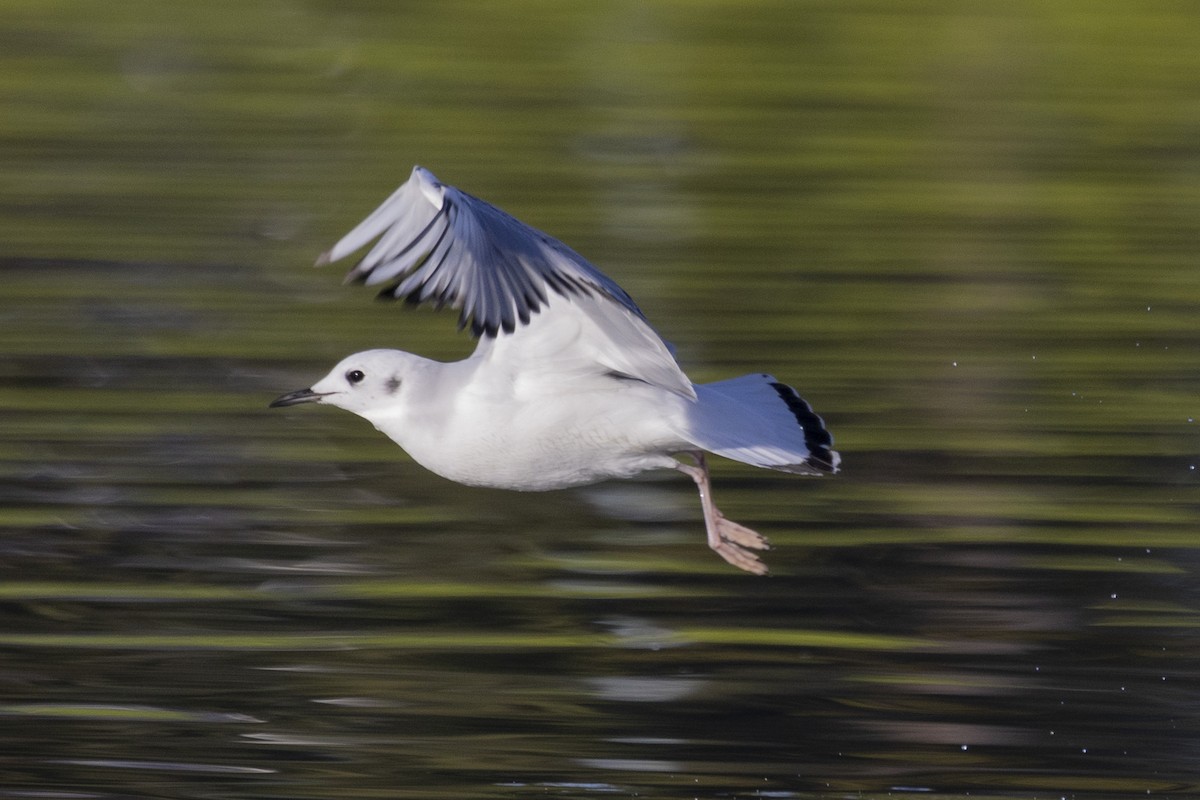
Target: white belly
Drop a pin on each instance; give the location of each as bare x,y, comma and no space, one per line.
572,440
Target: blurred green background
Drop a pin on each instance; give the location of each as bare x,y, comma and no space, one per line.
968,233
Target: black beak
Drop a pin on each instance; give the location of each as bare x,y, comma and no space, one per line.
295,398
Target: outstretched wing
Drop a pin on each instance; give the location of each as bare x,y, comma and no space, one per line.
444,246
440,245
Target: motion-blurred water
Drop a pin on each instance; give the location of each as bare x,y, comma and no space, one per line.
969,235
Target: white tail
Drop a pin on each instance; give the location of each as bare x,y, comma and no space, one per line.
757,420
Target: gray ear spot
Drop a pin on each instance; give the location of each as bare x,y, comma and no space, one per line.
393,384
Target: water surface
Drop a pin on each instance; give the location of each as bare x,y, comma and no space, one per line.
968,235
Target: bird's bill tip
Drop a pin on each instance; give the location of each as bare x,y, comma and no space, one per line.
295,398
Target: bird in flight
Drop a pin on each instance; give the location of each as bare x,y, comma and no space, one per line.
569,385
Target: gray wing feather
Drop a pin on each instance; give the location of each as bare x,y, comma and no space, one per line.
440,245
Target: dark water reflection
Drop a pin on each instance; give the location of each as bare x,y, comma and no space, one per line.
981,273
201,599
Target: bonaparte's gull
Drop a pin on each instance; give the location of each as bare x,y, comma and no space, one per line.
568,385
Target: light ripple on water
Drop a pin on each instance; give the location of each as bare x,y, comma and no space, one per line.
178,563
97,711
166,766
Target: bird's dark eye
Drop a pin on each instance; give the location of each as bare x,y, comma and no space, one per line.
355,376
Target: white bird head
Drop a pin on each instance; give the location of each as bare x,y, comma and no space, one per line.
362,383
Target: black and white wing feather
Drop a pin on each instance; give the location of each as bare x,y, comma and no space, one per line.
441,245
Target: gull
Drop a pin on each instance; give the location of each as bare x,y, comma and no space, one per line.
568,385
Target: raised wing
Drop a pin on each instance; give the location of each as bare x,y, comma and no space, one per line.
440,245
444,246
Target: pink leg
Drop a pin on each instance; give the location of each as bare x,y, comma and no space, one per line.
731,541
